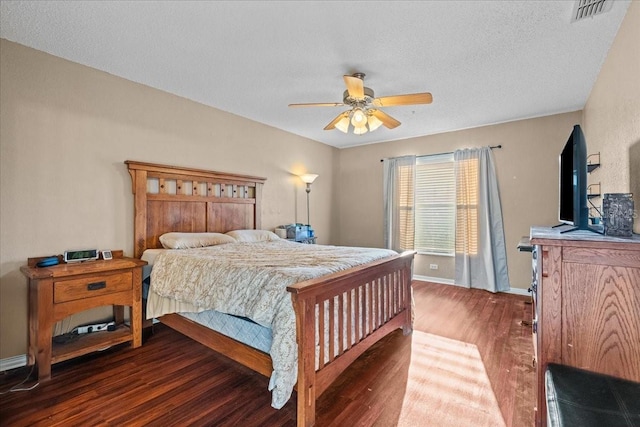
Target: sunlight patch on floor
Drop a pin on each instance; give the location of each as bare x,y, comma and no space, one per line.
447,386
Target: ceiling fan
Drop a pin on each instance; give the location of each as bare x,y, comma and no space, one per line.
365,115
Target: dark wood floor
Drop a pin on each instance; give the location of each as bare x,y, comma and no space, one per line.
172,380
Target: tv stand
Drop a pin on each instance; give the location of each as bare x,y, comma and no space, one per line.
593,230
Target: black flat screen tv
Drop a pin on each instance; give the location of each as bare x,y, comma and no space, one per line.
573,206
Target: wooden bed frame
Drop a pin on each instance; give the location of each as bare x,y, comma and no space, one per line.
169,198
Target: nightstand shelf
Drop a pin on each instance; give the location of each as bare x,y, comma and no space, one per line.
89,343
61,290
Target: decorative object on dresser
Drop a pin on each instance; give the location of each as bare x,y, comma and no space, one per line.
163,203
617,211
58,291
586,310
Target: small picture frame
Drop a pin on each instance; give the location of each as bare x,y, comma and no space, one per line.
107,255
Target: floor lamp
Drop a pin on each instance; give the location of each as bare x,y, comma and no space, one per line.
308,179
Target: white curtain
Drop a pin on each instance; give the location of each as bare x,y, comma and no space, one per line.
398,190
481,258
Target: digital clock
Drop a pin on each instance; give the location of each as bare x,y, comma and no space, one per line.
78,256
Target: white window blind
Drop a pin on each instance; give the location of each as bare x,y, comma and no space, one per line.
435,205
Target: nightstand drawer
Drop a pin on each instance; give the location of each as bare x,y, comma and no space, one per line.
87,287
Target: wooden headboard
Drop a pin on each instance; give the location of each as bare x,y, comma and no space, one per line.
172,198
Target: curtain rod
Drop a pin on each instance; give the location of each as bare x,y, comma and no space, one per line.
448,152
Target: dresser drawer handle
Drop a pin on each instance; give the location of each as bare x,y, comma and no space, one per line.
97,285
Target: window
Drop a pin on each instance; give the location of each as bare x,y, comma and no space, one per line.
435,205
429,209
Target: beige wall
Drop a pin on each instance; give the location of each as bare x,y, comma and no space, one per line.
527,169
612,114
65,132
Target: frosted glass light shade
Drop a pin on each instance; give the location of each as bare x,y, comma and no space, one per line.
360,130
358,118
343,124
308,178
374,123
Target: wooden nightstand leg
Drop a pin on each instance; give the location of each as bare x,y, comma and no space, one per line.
33,323
136,309
40,318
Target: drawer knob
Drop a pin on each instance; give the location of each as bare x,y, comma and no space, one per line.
96,285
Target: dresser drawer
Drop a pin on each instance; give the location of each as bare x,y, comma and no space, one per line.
87,287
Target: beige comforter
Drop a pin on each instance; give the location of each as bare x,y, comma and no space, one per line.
250,280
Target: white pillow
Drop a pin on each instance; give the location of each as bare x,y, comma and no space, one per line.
176,240
253,235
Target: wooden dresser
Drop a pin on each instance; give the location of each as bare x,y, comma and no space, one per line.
586,290
62,290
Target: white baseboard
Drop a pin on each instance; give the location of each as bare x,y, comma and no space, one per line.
518,291
433,279
440,280
13,362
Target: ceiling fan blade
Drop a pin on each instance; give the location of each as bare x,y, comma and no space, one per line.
318,104
386,119
355,86
333,122
409,99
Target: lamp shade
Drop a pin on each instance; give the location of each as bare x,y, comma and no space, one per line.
360,130
343,124
374,123
358,117
308,178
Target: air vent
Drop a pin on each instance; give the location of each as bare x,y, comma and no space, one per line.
590,8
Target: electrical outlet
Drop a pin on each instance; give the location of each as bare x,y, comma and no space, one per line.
433,266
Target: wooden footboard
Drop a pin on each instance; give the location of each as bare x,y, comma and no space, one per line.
356,308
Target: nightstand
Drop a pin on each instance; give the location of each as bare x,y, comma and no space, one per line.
59,291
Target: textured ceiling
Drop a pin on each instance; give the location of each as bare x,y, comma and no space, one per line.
484,62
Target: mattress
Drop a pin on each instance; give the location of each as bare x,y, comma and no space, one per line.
239,328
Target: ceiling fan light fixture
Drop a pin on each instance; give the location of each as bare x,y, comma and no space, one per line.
358,117
343,124
374,122
364,114
360,130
